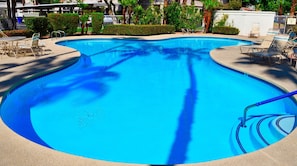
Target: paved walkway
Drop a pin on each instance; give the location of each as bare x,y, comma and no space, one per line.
18,151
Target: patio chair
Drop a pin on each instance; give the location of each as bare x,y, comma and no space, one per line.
255,31
4,48
33,46
184,30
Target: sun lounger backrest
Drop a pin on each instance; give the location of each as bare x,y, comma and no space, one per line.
267,41
278,45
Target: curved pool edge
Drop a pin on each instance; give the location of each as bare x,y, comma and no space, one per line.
282,76
16,150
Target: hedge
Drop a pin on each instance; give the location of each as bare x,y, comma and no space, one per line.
18,32
37,24
67,22
226,30
97,21
138,30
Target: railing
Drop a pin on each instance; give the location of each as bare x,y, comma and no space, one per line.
243,120
284,22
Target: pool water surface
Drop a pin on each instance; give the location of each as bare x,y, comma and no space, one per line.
138,101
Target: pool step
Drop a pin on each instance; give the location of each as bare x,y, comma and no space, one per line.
284,124
261,131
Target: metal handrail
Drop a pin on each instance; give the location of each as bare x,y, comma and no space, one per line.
243,120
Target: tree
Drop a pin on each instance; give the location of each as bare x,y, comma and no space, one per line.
84,17
293,7
172,14
209,6
165,6
128,5
190,18
110,7
279,6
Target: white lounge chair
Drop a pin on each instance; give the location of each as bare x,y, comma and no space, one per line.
265,44
292,56
275,51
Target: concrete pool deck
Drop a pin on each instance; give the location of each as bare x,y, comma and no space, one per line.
18,151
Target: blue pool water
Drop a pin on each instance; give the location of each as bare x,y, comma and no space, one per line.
137,101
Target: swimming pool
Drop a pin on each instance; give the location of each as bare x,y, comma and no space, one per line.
156,102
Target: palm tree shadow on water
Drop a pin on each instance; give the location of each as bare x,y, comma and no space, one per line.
84,79
89,77
183,133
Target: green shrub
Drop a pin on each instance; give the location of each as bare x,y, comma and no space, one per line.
172,14
138,30
67,22
37,24
226,30
222,22
97,21
235,4
4,23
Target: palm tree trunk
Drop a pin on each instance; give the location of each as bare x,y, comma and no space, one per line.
130,10
165,5
293,7
124,14
207,20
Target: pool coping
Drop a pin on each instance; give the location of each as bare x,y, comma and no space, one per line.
16,150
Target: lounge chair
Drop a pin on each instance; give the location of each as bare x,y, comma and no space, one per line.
265,44
292,56
292,41
184,30
275,51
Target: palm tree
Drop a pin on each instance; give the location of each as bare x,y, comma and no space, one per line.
165,5
110,7
293,7
128,5
280,7
209,6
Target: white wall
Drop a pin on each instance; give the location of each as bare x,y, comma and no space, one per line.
244,20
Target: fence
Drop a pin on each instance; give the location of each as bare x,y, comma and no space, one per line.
284,23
